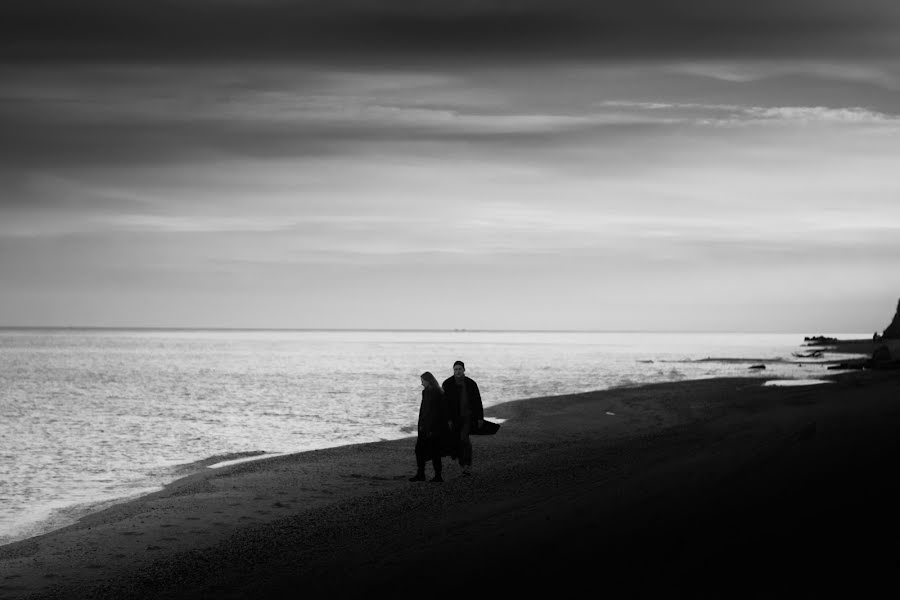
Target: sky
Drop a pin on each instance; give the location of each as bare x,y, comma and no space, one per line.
646,165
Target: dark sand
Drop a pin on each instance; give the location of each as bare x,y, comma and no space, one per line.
862,347
715,488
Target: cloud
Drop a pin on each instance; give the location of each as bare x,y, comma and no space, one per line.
189,224
116,117
412,31
698,113
851,115
748,71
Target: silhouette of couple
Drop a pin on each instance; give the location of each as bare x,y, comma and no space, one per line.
447,416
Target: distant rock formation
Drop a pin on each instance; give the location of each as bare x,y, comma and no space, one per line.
893,330
882,359
818,340
882,354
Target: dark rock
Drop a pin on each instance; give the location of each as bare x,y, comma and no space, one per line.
757,366
893,330
818,340
883,365
856,364
882,359
882,353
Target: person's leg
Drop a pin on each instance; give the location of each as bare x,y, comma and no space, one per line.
436,459
465,445
421,457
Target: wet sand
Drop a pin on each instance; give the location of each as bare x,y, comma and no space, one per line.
713,488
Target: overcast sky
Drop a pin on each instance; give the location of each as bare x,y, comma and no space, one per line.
644,165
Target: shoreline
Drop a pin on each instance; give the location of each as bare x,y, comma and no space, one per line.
567,474
64,515
57,520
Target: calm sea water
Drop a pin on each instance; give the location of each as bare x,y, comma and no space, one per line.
91,416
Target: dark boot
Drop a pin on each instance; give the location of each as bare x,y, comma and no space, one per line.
437,478
419,476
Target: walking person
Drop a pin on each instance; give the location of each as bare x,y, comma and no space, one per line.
465,411
433,428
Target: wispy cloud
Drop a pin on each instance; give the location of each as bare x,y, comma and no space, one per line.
735,114
745,71
851,115
188,224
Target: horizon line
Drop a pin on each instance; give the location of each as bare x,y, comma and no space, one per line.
385,329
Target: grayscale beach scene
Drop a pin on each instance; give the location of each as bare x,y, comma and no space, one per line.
495,298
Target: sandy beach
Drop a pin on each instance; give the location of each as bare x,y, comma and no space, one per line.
716,488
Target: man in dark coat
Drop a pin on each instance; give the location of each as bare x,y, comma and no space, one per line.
465,410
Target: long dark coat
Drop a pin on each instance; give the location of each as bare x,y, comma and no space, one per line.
433,415
434,428
451,391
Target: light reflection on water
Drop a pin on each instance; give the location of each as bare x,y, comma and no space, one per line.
93,415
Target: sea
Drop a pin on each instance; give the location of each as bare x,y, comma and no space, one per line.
90,417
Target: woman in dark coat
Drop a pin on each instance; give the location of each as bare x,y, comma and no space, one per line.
433,428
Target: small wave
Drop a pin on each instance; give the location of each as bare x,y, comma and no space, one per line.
675,375
185,468
738,360
226,463
794,382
